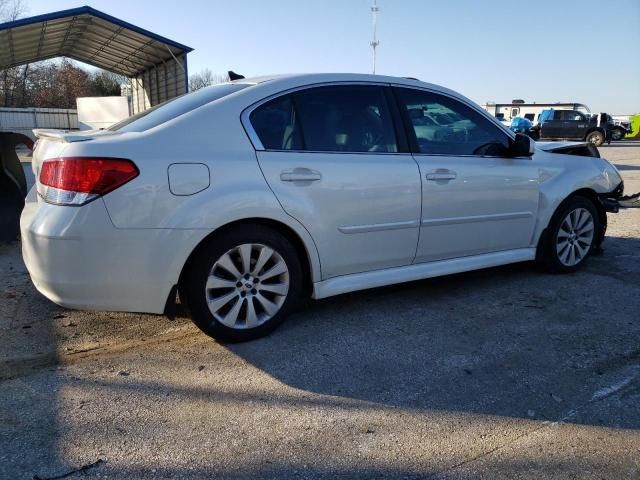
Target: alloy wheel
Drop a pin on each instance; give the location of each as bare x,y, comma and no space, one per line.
575,237
247,286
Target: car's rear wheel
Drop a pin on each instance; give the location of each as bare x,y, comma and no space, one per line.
571,235
243,283
595,137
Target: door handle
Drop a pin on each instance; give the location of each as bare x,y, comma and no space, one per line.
300,175
441,174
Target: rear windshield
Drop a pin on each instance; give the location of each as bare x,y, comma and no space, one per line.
175,107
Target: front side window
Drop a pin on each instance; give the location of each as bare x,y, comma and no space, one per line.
546,116
341,118
458,129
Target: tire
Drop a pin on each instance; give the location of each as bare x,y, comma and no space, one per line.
596,137
617,134
222,283
572,235
11,205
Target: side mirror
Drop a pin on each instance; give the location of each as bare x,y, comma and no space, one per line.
522,146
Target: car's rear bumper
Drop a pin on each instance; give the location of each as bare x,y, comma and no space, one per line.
78,259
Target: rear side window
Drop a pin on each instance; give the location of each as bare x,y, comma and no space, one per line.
456,129
175,107
341,118
276,124
346,118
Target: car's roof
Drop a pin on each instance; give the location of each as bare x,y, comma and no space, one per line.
296,79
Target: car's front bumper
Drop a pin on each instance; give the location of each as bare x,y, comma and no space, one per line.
610,200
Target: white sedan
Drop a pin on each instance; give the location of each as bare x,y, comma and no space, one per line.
247,196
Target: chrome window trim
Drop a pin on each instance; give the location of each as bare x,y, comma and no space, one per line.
255,140
467,156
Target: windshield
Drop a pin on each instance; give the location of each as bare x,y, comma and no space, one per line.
175,107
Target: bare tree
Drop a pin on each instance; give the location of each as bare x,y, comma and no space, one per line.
13,79
205,78
11,10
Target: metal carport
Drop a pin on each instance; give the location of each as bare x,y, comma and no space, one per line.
156,65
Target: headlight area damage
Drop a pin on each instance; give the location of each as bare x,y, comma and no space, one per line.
583,149
630,201
611,201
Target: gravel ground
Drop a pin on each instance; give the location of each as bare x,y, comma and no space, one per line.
502,373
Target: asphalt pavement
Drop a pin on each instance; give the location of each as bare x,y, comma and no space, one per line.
502,373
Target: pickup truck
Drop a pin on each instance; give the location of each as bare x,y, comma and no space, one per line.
571,125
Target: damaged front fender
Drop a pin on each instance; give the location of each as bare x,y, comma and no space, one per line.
580,149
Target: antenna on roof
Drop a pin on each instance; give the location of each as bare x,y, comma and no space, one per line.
234,76
374,42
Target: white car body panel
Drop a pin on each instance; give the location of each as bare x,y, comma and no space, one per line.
389,276
492,201
366,206
372,219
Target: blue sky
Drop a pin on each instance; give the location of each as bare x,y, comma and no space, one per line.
560,50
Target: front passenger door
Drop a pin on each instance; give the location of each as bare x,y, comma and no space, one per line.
475,200
551,127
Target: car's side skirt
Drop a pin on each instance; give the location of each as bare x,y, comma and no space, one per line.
389,276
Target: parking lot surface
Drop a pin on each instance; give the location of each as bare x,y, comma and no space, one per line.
502,373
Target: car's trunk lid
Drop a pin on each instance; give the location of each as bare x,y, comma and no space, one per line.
52,144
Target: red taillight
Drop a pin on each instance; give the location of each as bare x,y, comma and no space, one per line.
87,175
76,181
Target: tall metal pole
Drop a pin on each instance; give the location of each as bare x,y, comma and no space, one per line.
374,41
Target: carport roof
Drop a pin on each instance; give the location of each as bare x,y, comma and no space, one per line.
86,35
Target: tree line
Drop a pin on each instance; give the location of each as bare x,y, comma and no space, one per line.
55,85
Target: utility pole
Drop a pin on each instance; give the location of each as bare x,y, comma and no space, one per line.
374,42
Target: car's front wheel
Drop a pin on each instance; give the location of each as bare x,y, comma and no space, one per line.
571,235
243,283
617,134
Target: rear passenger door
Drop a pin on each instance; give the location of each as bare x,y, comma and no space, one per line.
332,157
